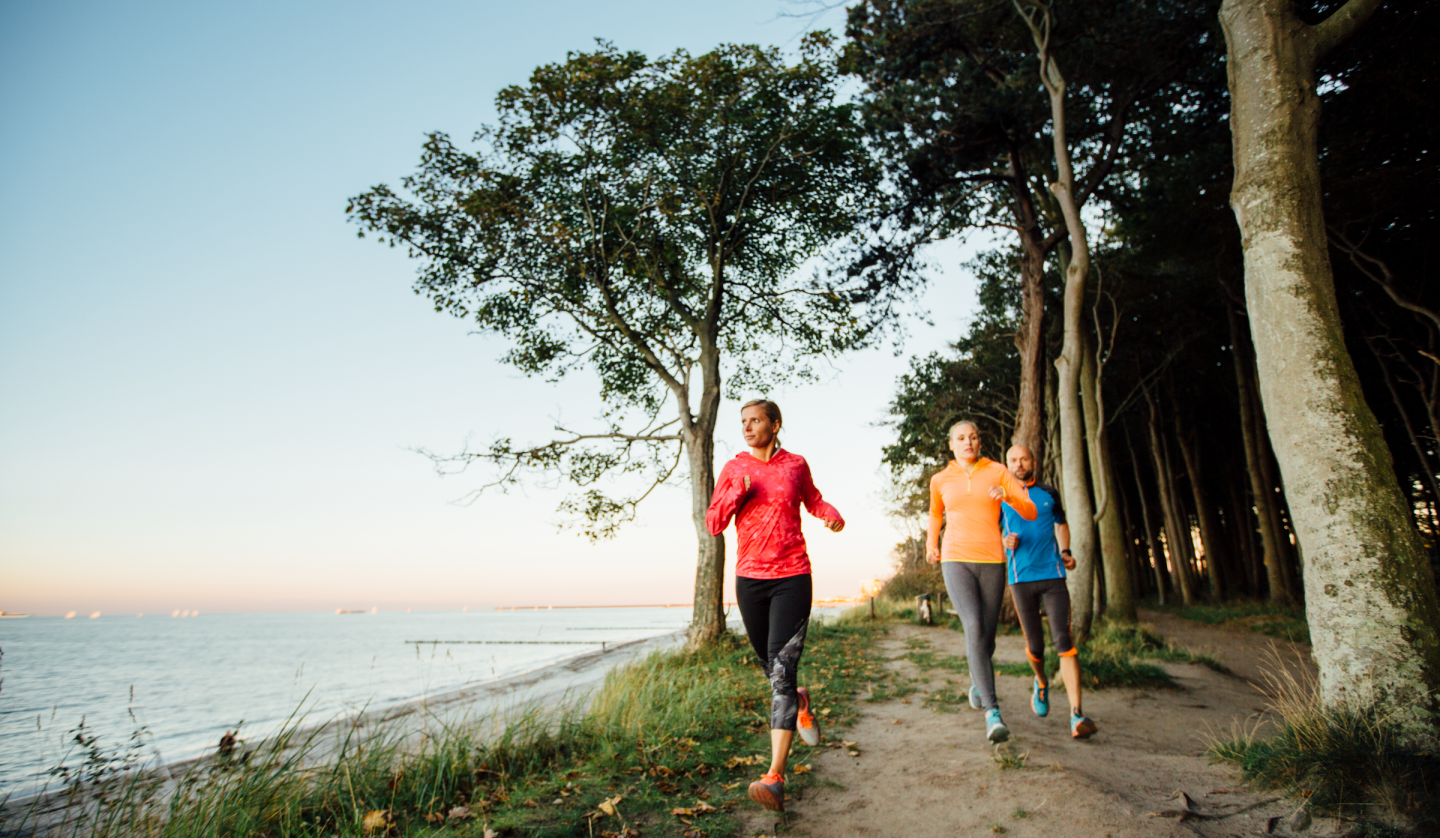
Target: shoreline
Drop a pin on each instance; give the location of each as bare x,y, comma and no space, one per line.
571,676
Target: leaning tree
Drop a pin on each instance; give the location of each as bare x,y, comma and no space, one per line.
644,220
1369,594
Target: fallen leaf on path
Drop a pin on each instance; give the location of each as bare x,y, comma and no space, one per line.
802,769
853,753
490,833
825,712
731,786
379,820
735,762
608,806
666,787
460,813
556,802
435,818
531,804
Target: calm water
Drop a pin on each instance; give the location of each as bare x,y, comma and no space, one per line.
193,678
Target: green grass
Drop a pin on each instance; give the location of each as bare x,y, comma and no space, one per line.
679,729
1344,761
1109,659
1283,621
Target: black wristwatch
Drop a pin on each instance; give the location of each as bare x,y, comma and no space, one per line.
1067,553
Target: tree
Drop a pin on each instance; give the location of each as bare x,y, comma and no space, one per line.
1369,594
644,220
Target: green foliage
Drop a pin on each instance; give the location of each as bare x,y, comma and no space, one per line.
642,219
904,587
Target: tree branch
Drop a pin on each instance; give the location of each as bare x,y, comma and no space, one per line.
1333,30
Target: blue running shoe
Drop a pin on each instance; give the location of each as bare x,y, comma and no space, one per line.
975,698
1081,727
995,729
1040,699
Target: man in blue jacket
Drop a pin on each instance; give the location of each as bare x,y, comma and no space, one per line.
1037,556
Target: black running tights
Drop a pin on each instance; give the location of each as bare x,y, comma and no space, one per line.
776,613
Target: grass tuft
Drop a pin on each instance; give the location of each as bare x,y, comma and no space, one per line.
1343,760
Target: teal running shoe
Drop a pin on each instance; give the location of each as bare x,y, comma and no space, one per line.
1081,727
1040,699
975,698
995,729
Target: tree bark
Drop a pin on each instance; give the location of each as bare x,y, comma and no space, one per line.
1157,555
1242,515
707,620
1252,430
1079,509
1369,592
1177,529
1204,511
1119,588
1030,337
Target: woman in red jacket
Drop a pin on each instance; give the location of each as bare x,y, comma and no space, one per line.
762,490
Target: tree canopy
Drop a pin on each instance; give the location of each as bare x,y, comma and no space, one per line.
645,220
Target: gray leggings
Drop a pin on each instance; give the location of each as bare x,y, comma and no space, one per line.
976,589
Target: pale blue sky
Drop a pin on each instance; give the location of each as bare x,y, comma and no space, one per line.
209,385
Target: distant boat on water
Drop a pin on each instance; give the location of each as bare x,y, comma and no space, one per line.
4,614
350,611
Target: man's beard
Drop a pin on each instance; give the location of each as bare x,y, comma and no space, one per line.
1024,475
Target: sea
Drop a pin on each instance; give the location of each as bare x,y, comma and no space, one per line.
184,681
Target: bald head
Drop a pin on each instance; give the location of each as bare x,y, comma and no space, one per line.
1021,461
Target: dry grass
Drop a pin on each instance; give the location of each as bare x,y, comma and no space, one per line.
1346,761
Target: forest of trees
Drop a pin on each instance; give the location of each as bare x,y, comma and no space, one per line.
1205,301
1203,432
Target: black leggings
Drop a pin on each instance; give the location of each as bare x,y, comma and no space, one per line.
1028,596
776,613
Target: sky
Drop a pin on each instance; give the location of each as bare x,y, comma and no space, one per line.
211,390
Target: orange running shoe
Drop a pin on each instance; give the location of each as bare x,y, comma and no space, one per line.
805,721
769,791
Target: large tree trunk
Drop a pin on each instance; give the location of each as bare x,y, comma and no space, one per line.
1369,593
1079,509
1251,430
1119,588
1204,511
1030,337
707,620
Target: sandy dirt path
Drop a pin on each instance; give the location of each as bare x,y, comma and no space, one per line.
922,773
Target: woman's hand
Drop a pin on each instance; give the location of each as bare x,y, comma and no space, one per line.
932,554
1011,541
997,492
835,526
747,482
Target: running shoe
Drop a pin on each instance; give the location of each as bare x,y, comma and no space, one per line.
975,698
995,729
1040,699
1081,727
769,791
805,722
